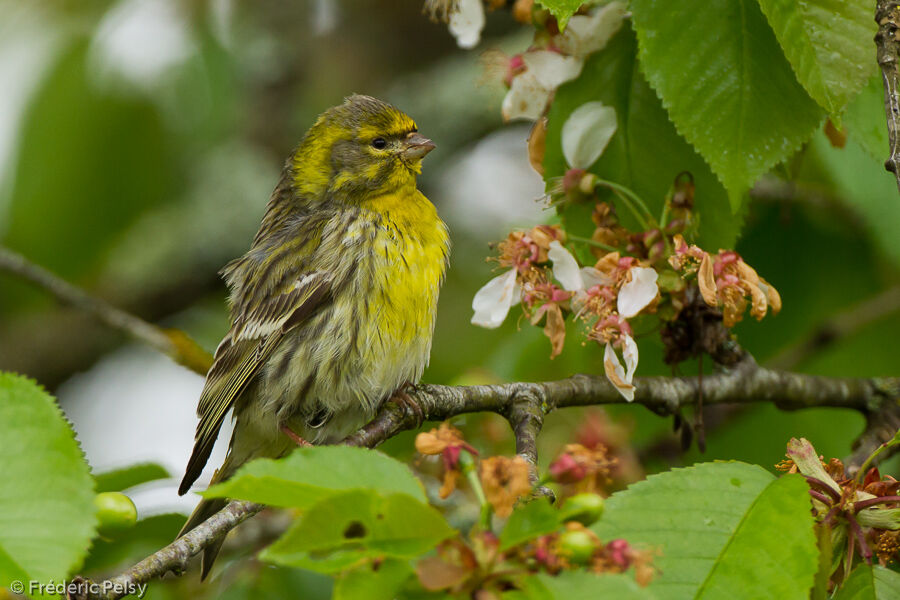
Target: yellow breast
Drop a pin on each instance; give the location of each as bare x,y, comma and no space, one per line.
410,255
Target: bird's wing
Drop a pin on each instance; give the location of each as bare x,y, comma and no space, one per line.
253,336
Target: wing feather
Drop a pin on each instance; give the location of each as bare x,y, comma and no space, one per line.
248,345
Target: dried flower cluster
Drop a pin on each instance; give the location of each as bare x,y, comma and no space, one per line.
579,546
478,566
861,514
726,282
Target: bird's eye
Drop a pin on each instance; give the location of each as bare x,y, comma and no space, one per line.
379,143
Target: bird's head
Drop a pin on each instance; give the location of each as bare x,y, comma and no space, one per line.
361,148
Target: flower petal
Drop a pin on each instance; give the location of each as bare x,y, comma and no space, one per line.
466,22
616,373
591,277
492,302
630,354
565,267
526,99
636,294
588,33
772,294
555,330
808,463
551,69
706,280
586,133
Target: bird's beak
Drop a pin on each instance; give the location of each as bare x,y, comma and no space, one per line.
416,146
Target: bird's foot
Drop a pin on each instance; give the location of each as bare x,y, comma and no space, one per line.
294,437
402,398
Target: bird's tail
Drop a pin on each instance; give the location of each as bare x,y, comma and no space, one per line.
207,508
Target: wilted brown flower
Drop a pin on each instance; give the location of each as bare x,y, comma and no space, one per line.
447,441
587,469
451,569
618,556
522,11
726,281
504,481
875,484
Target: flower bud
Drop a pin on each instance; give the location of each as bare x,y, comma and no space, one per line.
565,469
572,179
675,226
620,552
657,251
651,237
683,196
588,183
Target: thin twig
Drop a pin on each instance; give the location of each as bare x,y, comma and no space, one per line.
887,15
173,343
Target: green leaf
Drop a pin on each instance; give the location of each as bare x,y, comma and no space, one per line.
726,84
46,503
110,158
865,120
528,522
719,527
346,528
828,43
308,474
579,585
147,536
374,581
645,154
562,9
122,479
270,584
865,186
870,583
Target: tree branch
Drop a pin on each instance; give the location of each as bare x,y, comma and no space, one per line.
525,404
522,404
887,15
171,342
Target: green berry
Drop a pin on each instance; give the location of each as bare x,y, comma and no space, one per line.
115,512
577,545
584,508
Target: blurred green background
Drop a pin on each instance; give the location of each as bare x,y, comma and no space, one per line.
140,139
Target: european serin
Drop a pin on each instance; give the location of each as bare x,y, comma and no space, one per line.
333,306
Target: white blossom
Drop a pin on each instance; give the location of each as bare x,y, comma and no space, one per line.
567,272
586,133
585,34
493,301
637,293
565,267
552,69
530,91
466,22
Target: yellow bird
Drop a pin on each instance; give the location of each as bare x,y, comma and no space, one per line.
333,306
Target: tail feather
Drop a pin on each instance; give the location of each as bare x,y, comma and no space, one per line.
207,508
202,450
204,510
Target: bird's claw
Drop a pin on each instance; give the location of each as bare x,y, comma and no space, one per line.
294,437
402,398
